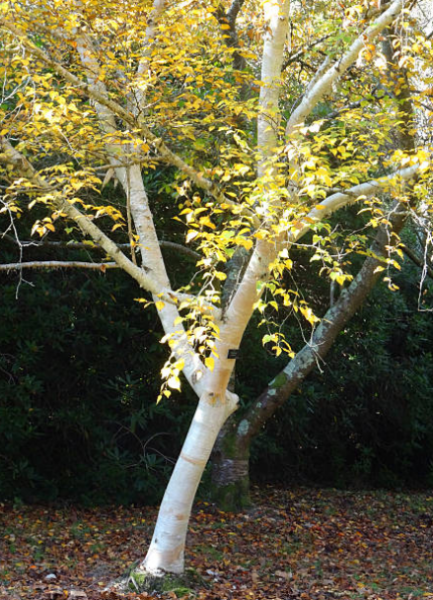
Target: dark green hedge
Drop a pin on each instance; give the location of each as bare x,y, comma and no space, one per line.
79,365
367,418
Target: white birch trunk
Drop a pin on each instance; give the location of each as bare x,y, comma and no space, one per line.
166,552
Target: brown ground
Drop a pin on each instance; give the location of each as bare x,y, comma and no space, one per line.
300,544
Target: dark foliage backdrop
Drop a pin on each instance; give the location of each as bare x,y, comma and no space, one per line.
79,366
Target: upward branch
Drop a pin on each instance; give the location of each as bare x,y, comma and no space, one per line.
325,82
143,65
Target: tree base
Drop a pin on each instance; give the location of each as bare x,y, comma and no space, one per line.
181,585
232,497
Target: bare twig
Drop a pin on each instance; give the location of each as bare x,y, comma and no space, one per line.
417,260
91,246
297,55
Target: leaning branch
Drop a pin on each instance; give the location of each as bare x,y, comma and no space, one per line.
417,260
350,196
58,264
145,280
90,246
324,84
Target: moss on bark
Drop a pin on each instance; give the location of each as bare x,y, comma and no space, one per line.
232,497
181,585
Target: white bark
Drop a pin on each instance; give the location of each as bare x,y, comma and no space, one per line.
276,18
132,183
138,106
316,92
216,404
166,551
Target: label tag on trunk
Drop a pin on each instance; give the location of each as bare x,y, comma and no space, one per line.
233,354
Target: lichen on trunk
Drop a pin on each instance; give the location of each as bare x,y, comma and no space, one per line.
230,485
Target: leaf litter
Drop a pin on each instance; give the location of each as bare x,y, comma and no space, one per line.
300,544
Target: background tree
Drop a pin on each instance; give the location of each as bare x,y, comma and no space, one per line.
102,88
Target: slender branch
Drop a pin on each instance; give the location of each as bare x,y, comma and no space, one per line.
179,248
341,199
86,246
416,260
297,55
58,264
338,111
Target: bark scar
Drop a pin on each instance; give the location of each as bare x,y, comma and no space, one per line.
193,461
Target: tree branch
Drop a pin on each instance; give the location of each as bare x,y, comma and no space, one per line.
297,55
341,199
131,180
324,335
86,246
58,264
102,98
313,96
143,65
416,260
144,279
229,18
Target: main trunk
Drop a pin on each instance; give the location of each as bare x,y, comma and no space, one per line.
166,552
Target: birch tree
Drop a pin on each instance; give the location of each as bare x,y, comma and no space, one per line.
212,94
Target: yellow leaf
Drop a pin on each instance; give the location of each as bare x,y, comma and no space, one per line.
159,305
209,362
220,276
